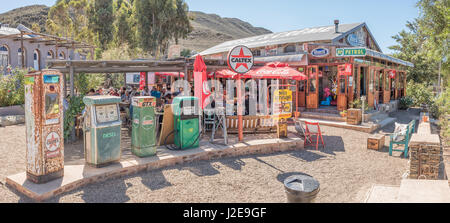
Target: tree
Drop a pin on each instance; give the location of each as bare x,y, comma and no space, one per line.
410,48
101,19
186,53
35,27
426,42
123,24
159,21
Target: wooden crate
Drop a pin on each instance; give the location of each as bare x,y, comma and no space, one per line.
282,129
375,142
354,116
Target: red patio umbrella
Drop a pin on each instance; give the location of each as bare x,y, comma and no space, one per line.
276,70
200,84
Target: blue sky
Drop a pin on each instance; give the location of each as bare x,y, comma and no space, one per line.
385,18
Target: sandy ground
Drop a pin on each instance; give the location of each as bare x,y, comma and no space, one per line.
345,169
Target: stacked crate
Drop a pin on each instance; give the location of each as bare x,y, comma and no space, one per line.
354,116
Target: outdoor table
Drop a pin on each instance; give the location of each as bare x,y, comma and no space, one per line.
124,104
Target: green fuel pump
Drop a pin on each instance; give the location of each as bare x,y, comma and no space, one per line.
101,129
186,132
143,134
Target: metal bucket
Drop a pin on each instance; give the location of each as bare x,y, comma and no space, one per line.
301,189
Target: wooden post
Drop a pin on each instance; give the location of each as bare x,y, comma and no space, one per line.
65,85
57,55
72,94
186,78
22,50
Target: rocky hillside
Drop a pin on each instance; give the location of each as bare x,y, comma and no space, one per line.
209,29
26,16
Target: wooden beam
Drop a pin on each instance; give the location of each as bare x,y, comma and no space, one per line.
118,69
98,63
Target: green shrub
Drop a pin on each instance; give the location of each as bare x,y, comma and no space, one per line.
12,88
356,104
406,102
76,106
420,93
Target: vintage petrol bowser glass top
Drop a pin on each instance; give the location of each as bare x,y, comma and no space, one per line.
51,103
106,113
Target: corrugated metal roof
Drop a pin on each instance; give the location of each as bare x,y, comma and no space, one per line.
8,31
281,58
302,35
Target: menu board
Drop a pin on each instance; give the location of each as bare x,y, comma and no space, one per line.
106,113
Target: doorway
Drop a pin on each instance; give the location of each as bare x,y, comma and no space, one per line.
37,60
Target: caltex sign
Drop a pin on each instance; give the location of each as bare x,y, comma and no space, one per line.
240,59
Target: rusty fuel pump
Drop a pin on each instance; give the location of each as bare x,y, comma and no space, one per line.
44,125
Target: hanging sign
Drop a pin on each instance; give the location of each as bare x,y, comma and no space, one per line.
282,105
345,69
141,80
240,59
392,74
320,52
349,52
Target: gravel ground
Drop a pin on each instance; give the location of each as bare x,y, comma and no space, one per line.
345,169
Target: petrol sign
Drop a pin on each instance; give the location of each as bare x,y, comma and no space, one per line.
346,52
240,59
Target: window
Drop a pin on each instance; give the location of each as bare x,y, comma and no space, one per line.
19,57
256,53
50,55
62,56
342,84
289,49
4,56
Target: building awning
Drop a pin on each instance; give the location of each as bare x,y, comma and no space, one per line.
375,54
292,58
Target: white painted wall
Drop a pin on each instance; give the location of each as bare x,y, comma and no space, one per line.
29,49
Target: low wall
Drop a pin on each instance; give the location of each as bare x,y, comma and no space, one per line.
12,115
425,152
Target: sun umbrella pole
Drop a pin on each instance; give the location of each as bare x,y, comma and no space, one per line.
239,107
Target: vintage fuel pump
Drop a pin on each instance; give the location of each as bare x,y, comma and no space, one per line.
143,133
101,130
186,113
44,125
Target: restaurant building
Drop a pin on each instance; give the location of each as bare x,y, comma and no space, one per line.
343,59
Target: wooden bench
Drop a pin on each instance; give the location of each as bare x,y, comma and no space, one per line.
252,124
409,131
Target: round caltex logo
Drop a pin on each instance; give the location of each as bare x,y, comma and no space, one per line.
52,141
240,59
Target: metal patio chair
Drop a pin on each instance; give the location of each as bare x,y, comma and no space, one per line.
313,129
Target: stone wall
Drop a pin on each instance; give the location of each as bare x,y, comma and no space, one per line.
425,153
